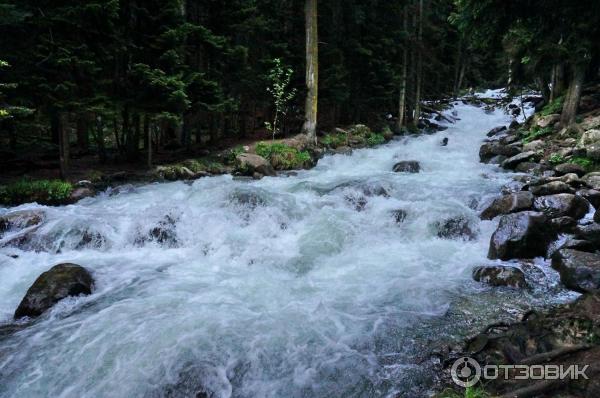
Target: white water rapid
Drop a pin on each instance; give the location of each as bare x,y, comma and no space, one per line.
298,286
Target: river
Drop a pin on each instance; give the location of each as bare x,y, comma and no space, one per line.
293,286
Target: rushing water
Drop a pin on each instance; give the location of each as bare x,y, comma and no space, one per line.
299,286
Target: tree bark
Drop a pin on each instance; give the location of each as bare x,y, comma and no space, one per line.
312,71
148,139
569,111
402,98
419,81
100,139
83,123
58,129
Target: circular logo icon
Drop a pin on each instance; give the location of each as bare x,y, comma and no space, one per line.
466,372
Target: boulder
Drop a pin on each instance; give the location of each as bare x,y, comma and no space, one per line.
249,163
455,228
496,131
579,271
592,180
590,122
521,235
507,204
578,244
551,188
514,161
590,137
589,232
407,166
18,220
444,141
399,215
529,167
547,121
568,168
597,216
563,224
560,205
61,281
491,149
591,195
500,276
81,193
593,151
534,145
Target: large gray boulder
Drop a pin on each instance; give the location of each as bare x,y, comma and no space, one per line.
249,163
563,204
579,271
407,166
591,195
507,204
495,275
489,150
513,162
61,281
521,235
589,232
592,180
551,188
568,168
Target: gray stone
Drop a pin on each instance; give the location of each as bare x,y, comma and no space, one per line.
249,163
579,271
507,204
512,162
551,188
568,168
407,166
563,204
592,180
500,276
521,235
59,282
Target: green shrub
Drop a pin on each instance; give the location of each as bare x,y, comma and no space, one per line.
556,158
374,139
535,133
555,106
283,157
234,153
586,163
335,140
42,191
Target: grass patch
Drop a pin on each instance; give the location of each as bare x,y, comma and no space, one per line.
374,139
587,164
470,392
553,107
535,133
49,192
335,140
556,158
283,157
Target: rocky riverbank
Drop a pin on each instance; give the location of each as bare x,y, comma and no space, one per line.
550,211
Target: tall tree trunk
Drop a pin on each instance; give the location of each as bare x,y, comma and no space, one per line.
83,124
312,71
402,98
558,81
569,111
148,140
419,81
100,139
58,129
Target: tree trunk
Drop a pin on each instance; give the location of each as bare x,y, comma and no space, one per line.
419,81
148,140
402,99
312,71
569,111
100,139
82,133
58,129
558,81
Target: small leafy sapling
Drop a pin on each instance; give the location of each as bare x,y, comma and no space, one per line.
279,79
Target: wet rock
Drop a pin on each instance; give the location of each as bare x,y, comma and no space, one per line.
91,240
249,163
563,224
491,149
514,161
61,281
560,205
591,196
249,199
533,145
164,233
592,180
81,193
590,122
590,137
597,216
500,276
407,166
19,220
444,142
399,215
455,228
496,131
507,204
551,188
590,232
579,271
521,235
568,168
529,167
547,121
343,150
578,244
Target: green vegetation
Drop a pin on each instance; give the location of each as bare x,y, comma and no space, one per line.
556,158
279,79
41,191
374,139
470,392
335,140
534,133
553,107
283,157
586,163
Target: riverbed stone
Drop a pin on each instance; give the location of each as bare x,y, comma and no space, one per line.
407,166
547,121
249,163
564,224
551,188
61,281
563,204
521,235
507,204
458,227
21,219
567,168
533,145
589,232
592,180
496,131
500,276
591,195
514,161
579,271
